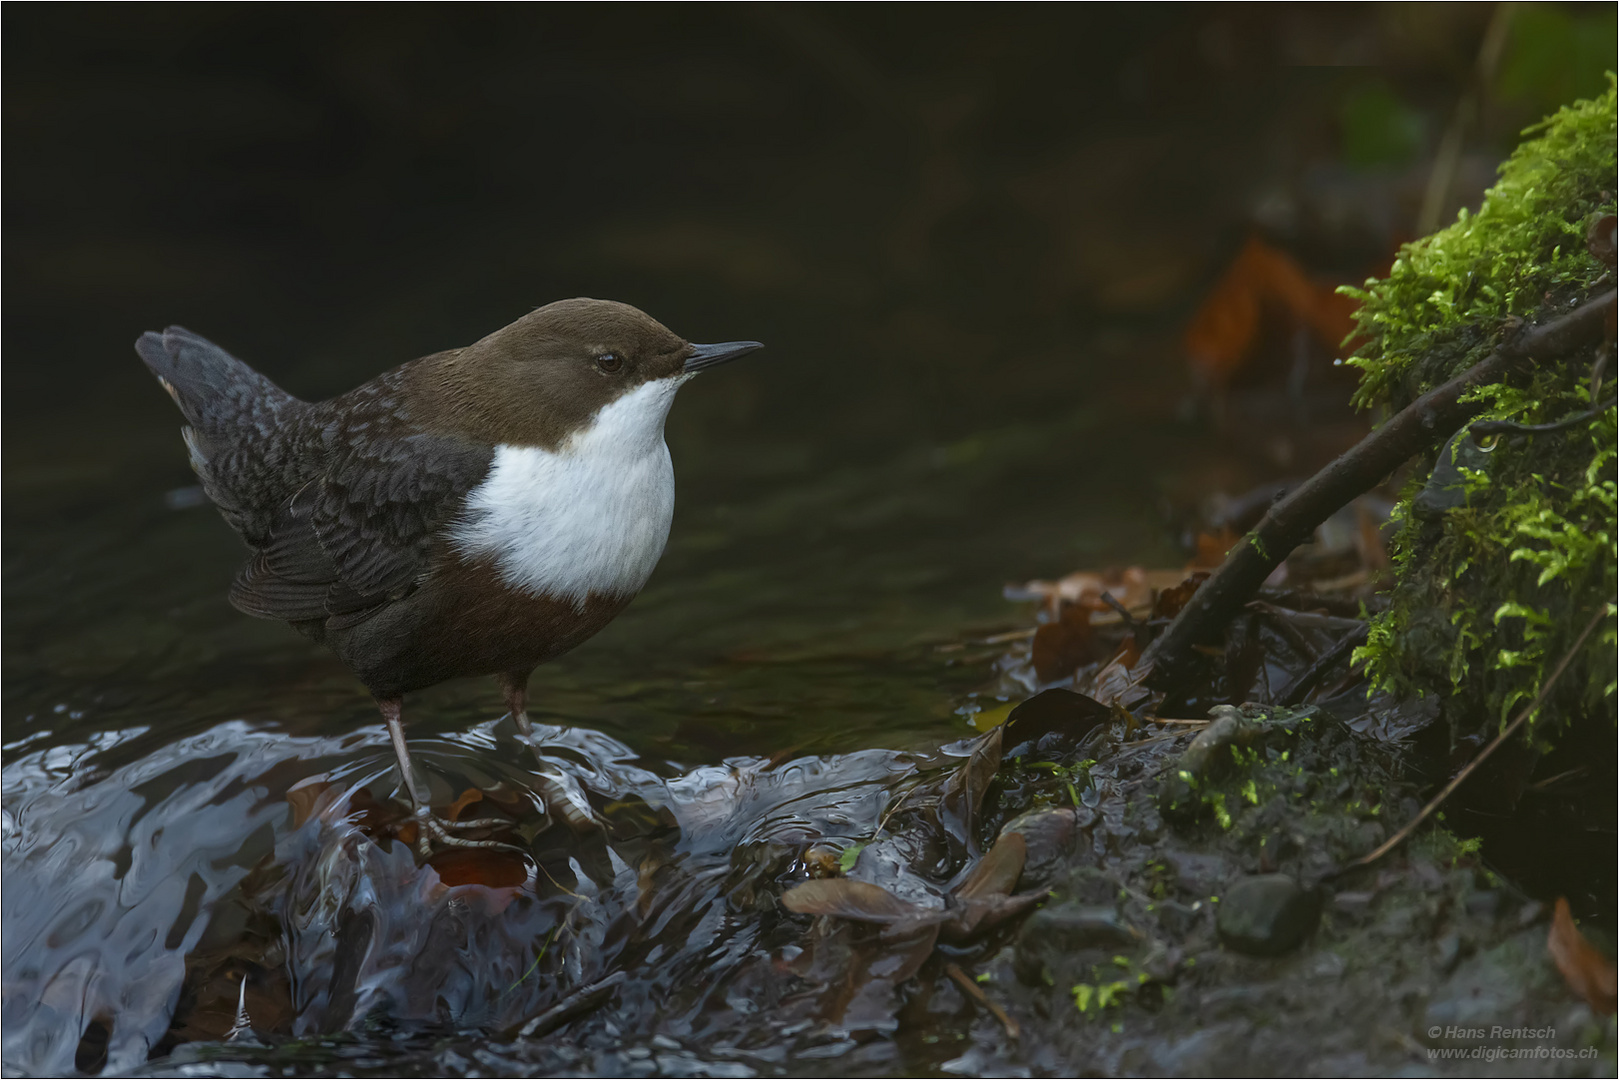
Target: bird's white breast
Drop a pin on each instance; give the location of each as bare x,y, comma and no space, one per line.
590,517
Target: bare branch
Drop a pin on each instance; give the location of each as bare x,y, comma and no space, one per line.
1426,422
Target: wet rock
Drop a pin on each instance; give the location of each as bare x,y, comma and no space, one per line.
1180,920
1266,915
1368,834
1356,905
1448,952
1327,965
1050,834
1485,903
1064,930
1486,988
1253,1000
1206,758
1201,874
1531,913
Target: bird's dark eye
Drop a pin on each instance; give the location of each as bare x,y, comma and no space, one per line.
609,362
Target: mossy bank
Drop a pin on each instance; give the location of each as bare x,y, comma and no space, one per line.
1506,546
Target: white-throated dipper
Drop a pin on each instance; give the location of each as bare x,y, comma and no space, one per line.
475,512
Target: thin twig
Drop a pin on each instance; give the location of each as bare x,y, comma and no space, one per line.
976,992
1009,635
1156,738
993,639
1429,420
892,810
1512,427
1295,691
1598,366
1124,613
1467,770
574,1005
1468,107
1309,620
1290,633
539,955
1542,785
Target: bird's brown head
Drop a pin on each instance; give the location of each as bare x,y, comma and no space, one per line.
545,376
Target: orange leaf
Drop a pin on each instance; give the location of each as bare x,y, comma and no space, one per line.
1212,549
1262,281
1587,972
1172,599
468,797
494,868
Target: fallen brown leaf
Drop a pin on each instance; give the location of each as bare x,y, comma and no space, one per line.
468,797
1262,283
494,868
1172,599
996,874
1587,972
309,798
1119,681
848,899
1131,587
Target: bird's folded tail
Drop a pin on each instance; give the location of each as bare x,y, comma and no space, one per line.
233,413
214,390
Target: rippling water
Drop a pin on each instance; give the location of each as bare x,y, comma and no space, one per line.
222,881
187,792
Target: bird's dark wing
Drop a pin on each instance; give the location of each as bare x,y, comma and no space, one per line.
359,534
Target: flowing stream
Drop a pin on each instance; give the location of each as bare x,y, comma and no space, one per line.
187,791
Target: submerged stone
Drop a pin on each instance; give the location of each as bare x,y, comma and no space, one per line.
1266,915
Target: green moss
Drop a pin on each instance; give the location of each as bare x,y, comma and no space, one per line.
1490,593
1439,310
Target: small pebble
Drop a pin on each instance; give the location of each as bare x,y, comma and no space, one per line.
1354,904
1531,913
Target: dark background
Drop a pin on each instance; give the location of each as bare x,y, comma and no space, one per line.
913,205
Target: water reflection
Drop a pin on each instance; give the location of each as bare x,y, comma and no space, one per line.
241,887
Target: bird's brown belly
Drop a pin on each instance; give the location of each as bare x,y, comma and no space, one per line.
464,621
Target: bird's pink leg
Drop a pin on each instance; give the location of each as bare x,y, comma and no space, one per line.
421,809
514,688
560,791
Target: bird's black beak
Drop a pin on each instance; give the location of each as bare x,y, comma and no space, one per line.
707,356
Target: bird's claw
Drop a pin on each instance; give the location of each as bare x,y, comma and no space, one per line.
477,823
431,830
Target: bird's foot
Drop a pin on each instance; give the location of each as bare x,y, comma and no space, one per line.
432,829
477,823
564,797
560,792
